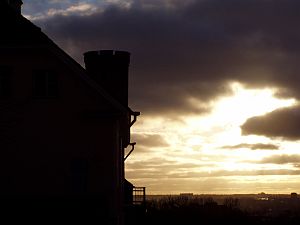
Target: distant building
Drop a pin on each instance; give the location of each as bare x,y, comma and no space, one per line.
262,196
63,128
294,195
186,194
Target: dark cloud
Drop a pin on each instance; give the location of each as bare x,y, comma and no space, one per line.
150,140
221,173
281,123
162,185
282,159
156,168
154,174
257,146
160,168
162,165
194,50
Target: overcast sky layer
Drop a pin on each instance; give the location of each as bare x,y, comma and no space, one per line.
187,58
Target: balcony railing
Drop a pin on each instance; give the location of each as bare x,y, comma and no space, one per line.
139,196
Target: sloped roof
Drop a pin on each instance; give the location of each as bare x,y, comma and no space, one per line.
17,31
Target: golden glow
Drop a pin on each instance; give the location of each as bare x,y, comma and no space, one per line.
201,141
245,104
231,112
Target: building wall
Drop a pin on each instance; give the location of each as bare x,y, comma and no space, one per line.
48,143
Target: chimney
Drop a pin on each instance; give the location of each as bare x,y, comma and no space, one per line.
16,5
109,69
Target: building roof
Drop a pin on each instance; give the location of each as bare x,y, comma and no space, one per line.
17,31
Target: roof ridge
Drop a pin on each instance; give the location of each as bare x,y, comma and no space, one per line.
38,38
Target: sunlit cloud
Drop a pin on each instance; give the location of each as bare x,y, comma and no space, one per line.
211,144
82,9
282,159
256,146
150,140
120,3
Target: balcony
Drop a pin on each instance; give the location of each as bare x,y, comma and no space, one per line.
139,196
135,205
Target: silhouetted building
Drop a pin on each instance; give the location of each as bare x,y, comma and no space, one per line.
63,129
294,195
186,194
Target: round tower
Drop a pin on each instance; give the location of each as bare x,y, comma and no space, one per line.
109,69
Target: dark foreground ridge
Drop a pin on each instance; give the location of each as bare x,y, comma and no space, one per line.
223,209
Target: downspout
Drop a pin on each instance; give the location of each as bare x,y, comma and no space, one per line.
132,149
135,115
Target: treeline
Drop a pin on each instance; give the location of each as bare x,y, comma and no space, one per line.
190,211
183,210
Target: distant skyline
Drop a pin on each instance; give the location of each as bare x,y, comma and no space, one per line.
217,83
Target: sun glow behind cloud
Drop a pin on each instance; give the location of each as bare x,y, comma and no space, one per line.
230,113
211,144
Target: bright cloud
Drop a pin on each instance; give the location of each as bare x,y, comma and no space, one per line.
83,9
210,144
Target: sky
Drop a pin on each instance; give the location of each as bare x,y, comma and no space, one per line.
216,81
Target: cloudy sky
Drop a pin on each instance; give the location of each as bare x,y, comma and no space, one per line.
217,83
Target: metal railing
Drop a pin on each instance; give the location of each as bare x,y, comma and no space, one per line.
139,195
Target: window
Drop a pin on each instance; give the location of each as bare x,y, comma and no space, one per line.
5,82
45,84
79,175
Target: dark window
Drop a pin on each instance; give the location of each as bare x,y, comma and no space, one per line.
79,175
5,82
45,84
